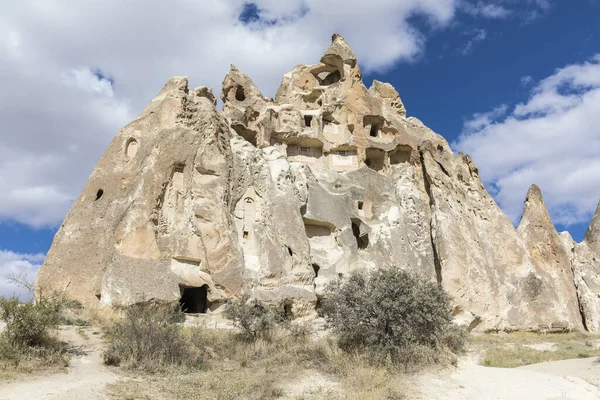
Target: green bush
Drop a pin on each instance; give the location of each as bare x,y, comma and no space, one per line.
148,338
391,314
30,324
253,318
29,338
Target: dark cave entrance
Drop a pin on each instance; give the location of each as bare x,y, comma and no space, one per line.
194,299
362,237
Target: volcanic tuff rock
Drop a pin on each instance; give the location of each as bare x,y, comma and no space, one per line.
278,197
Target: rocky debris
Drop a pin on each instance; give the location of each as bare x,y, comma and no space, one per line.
278,197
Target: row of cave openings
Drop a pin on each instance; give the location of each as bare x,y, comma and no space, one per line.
374,157
325,77
372,124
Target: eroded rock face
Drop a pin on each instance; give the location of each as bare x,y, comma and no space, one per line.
586,268
549,285
279,197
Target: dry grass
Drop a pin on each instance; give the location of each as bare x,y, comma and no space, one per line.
28,335
235,368
147,338
510,351
15,362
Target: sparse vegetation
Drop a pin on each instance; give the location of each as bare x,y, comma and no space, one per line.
394,316
147,338
385,323
518,348
255,320
236,368
29,339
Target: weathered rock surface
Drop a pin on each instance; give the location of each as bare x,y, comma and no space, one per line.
549,286
586,268
278,197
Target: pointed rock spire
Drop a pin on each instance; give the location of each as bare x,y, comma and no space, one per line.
339,49
167,106
535,212
239,88
550,283
592,235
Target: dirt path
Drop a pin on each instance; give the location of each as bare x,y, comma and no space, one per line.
587,369
86,377
470,381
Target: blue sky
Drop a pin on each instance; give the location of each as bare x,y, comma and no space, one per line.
514,83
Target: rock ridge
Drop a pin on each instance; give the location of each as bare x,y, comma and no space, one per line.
277,197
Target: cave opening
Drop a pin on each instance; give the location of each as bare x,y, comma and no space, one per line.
239,94
194,300
362,241
308,120
316,268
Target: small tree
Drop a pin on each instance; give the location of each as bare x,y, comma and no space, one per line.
388,311
33,323
149,338
253,318
29,339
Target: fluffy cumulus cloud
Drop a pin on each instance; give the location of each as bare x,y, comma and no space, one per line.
74,72
23,267
552,140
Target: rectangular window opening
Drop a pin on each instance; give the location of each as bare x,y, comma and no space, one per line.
374,130
308,120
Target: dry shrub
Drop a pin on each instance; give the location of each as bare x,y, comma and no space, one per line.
236,368
148,338
254,319
31,324
393,316
29,339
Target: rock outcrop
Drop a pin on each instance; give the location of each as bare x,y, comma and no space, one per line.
278,197
586,268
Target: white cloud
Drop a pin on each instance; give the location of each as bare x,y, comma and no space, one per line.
526,80
482,9
74,72
477,35
482,120
552,140
18,265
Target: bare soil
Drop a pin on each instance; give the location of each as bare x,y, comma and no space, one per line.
86,378
553,380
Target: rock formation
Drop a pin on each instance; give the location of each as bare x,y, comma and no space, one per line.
278,197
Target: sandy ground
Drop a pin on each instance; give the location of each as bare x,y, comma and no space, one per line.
577,379
86,377
311,385
587,369
547,381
